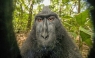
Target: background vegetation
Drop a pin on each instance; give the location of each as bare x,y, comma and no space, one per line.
74,15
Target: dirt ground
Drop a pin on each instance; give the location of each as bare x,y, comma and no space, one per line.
21,37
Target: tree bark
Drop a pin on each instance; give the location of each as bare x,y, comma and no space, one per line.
30,17
78,6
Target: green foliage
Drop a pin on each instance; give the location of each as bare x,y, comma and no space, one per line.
21,14
86,36
84,32
77,24
81,17
65,1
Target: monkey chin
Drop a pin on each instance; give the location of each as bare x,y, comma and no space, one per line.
46,45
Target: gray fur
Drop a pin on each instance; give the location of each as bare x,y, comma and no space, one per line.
58,44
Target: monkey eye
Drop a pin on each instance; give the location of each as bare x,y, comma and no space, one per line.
39,19
51,18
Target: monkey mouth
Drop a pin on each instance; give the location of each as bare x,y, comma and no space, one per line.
46,48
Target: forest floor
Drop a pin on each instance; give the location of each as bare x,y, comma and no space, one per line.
21,37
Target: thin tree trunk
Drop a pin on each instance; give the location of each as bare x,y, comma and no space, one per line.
78,6
30,17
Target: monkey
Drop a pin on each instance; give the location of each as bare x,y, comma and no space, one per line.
48,38
6,54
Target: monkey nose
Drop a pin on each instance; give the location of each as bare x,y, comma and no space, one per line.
44,35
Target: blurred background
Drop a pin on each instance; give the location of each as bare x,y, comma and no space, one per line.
74,15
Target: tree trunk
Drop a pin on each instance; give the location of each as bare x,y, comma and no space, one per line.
30,17
78,6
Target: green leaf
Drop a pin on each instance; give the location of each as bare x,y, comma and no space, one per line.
65,1
85,31
66,16
86,37
81,17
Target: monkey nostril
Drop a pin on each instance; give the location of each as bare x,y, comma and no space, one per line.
45,37
42,36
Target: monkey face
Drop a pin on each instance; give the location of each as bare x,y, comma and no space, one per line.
45,31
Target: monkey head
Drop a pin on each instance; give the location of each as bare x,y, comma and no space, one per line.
45,24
